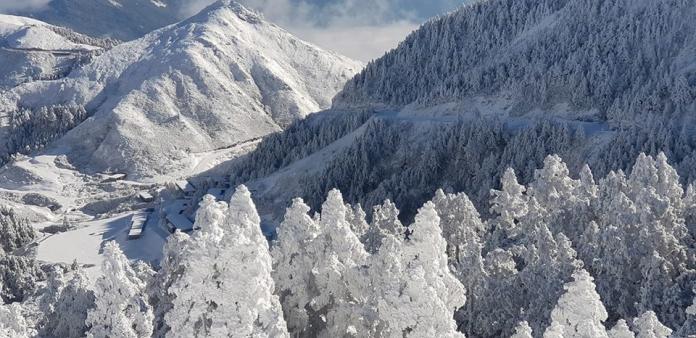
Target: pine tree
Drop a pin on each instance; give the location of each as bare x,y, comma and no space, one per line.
74,303
122,309
13,323
171,269
648,326
385,305
689,327
434,292
341,296
460,222
385,220
510,205
49,299
356,218
580,311
522,331
225,287
293,262
621,330
258,310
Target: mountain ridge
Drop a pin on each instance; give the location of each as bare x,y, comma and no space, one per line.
219,78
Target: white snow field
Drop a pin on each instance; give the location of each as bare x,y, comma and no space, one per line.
222,77
85,244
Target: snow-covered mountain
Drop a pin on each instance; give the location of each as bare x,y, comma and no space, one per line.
222,77
496,84
120,19
605,60
32,50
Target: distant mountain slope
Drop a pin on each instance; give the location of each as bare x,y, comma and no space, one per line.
31,50
219,78
499,84
620,59
121,19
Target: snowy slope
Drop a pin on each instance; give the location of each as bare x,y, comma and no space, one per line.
121,19
31,49
622,58
222,77
503,83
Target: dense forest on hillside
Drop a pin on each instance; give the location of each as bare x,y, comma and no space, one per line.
626,59
561,257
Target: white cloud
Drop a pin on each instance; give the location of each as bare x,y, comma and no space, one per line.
13,5
359,29
358,42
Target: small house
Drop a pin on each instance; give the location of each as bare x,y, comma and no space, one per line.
108,178
145,196
137,225
178,221
185,187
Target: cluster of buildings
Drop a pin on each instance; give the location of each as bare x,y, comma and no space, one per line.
180,214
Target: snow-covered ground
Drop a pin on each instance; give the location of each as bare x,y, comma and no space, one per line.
85,243
93,206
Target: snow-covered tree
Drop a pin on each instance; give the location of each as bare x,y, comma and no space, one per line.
621,330
648,326
258,310
335,272
385,304
15,231
293,262
460,222
121,306
19,277
225,287
522,331
13,323
434,293
414,294
49,298
356,218
510,204
171,269
689,327
75,301
580,311
385,220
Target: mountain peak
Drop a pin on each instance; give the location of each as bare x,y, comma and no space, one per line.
218,79
238,9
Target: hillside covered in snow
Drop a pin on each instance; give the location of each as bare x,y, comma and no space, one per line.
493,85
33,50
607,60
215,80
124,20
